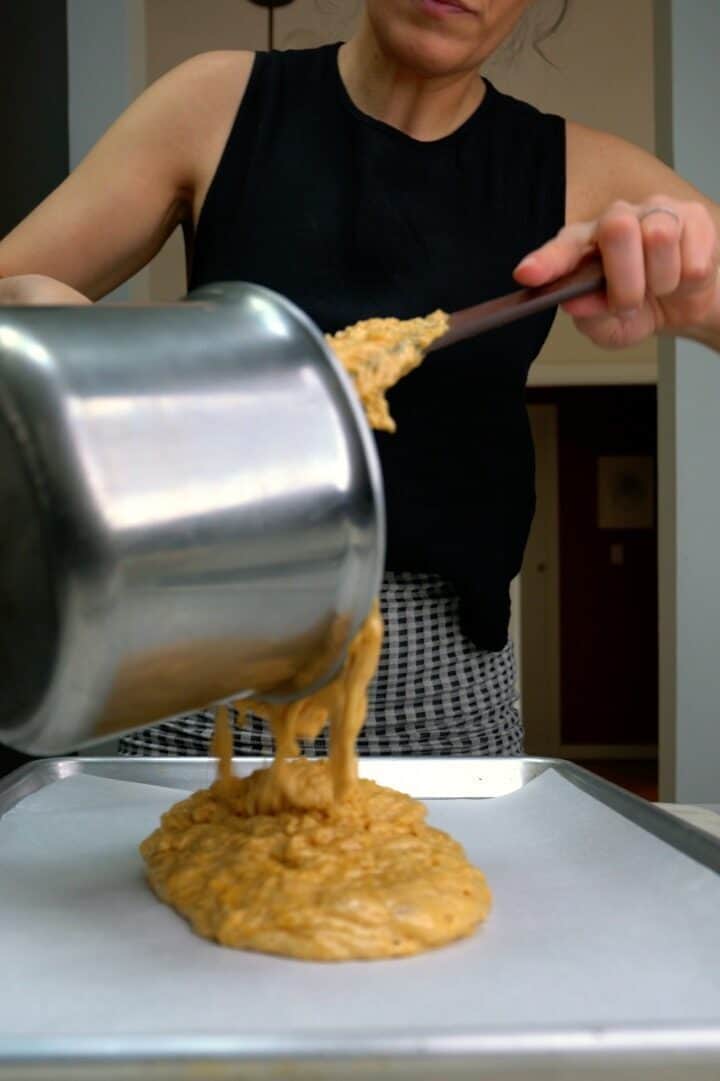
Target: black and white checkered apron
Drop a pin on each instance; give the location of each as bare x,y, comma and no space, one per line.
435,692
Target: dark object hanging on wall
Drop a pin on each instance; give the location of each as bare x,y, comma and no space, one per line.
270,6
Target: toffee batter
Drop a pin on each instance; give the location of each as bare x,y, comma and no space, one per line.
302,858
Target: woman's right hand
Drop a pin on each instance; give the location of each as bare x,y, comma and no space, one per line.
37,289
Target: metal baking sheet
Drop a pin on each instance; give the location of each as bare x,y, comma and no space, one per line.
686,1046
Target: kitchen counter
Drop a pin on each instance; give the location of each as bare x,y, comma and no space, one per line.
705,817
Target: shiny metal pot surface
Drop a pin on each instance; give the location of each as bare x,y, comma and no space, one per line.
191,508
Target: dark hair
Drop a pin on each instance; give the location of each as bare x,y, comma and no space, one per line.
547,32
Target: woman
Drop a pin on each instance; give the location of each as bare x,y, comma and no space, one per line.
388,178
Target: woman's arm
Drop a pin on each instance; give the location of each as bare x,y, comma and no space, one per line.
658,237
147,174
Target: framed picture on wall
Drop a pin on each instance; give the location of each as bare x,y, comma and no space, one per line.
625,492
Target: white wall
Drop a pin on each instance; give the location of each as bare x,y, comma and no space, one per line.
689,438
106,71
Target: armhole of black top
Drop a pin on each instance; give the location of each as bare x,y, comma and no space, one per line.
563,214
250,93
555,134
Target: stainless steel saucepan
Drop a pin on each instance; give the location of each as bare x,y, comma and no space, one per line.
191,508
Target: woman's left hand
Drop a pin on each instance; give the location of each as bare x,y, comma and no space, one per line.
661,260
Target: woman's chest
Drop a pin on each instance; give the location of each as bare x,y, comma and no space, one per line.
367,229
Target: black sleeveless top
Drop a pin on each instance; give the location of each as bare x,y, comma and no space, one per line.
350,218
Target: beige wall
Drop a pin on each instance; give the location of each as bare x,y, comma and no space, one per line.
174,31
178,29
603,76
315,22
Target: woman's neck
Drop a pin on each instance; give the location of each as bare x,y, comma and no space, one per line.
424,108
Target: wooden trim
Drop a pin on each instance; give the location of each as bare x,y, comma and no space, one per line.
608,750
540,628
599,374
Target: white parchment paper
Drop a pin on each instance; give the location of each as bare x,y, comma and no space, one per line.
595,922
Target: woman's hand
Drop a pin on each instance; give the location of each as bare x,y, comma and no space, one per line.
37,289
661,260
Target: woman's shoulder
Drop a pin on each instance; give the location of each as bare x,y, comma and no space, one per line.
214,83
194,104
211,88
216,65
603,168
209,79
202,96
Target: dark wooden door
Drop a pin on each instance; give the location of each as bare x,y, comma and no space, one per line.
607,440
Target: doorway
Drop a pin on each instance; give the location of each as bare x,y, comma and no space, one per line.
589,621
